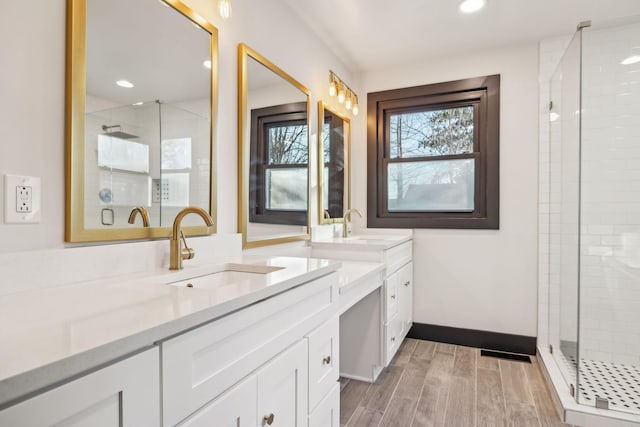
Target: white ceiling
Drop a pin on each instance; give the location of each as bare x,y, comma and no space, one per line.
370,34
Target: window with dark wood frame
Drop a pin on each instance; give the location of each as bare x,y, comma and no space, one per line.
264,121
433,155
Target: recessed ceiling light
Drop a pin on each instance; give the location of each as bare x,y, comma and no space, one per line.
124,83
470,6
633,59
207,64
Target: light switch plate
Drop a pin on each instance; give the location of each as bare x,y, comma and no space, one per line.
22,199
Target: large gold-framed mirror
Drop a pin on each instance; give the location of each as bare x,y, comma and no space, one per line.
334,159
273,153
142,93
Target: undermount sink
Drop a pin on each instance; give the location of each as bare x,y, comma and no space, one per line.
230,274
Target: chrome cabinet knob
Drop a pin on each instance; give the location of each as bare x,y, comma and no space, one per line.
326,360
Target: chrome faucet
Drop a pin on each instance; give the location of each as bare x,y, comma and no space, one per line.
177,252
346,219
143,214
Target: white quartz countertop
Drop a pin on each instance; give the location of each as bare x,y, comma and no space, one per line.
47,336
351,273
362,242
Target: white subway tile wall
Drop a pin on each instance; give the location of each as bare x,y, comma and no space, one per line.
610,205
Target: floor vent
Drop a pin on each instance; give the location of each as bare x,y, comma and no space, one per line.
503,355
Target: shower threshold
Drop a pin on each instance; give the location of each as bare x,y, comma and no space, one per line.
579,414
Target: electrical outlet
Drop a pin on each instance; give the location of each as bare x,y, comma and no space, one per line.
24,200
21,199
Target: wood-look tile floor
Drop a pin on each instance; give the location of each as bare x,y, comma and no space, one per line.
435,384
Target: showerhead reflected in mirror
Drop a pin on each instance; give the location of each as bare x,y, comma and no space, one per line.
273,143
333,164
140,109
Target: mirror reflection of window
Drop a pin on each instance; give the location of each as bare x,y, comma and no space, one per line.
334,165
279,158
176,154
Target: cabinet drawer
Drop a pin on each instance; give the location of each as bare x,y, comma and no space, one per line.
327,414
199,365
391,296
393,338
324,353
398,256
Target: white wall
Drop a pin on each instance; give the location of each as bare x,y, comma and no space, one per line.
32,61
477,279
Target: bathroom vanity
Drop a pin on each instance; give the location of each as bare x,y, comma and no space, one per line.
388,303
152,351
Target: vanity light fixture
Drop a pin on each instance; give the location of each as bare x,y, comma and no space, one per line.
341,94
224,8
633,59
124,83
470,6
345,94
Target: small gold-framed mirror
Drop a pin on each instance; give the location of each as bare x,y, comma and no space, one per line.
334,157
273,153
141,91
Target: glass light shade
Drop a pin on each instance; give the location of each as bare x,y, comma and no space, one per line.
332,89
348,103
355,109
224,8
341,95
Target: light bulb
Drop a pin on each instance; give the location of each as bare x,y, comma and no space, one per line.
355,109
470,6
348,104
341,95
224,8
631,60
332,89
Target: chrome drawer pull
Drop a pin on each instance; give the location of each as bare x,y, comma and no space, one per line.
393,339
393,297
407,283
268,419
326,360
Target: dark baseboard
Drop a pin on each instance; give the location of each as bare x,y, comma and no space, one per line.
474,338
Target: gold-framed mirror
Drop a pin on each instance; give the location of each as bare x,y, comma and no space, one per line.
273,153
334,160
141,100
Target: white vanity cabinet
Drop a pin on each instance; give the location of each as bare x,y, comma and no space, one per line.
271,363
397,294
124,394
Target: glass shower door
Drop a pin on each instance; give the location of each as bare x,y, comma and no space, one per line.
564,212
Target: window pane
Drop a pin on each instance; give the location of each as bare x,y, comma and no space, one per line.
440,186
326,141
288,144
286,189
431,133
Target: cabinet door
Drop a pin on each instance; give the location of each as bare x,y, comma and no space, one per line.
126,394
283,389
324,352
405,294
327,414
235,408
